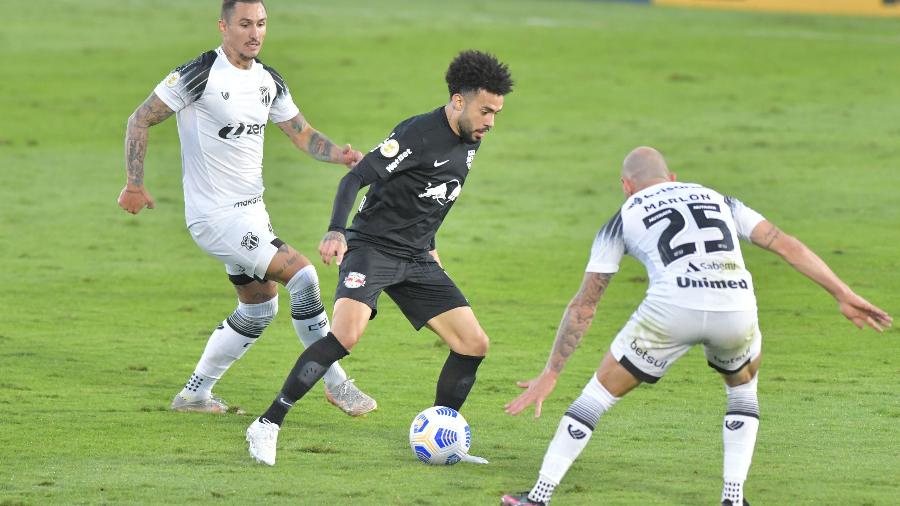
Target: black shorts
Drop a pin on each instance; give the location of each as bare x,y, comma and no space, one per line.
419,286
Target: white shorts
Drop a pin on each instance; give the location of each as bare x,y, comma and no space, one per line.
243,240
657,334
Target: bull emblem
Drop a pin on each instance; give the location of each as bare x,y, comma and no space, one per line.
442,193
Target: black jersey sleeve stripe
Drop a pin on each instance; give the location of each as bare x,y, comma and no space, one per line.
195,74
613,227
281,88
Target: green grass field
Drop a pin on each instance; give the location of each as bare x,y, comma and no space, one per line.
105,314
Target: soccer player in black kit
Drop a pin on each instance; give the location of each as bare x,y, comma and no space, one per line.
414,177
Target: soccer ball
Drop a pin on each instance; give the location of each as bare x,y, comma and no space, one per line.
440,436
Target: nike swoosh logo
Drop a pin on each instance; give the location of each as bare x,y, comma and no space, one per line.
283,401
438,164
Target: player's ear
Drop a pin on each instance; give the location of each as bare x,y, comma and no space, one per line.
222,26
459,102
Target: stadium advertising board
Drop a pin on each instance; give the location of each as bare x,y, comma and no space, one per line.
859,7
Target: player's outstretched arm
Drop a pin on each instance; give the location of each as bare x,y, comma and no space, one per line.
855,308
320,147
575,322
134,196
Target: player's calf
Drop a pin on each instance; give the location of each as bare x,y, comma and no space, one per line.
739,437
456,379
228,343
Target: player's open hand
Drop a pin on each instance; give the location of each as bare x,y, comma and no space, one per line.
350,157
536,390
135,198
861,312
333,245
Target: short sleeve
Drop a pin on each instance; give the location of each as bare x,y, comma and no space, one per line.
745,219
608,247
395,154
283,106
186,83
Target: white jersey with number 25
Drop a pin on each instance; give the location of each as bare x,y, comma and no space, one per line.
686,235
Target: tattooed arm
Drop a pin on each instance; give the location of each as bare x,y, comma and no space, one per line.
575,322
577,319
320,147
804,260
134,196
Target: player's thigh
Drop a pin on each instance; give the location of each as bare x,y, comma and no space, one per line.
459,328
244,240
615,378
732,340
285,263
645,346
426,292
349,321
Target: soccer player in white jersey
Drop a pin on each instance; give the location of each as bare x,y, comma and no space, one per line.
223,100
686,235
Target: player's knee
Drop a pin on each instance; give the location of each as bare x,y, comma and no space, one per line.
306,300
477,345
348,339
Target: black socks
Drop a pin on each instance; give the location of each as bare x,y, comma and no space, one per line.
456,380
310,367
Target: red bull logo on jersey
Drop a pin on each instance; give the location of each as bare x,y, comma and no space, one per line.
442,193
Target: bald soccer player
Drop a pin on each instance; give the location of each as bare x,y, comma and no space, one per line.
686,235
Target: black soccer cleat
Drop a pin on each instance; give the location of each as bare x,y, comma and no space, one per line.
727,502
520,499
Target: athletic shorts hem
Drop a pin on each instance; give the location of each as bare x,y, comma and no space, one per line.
418,324
637,373
726,371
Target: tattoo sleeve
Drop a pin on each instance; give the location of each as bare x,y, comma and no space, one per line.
320,147
298,123
151,112
577,319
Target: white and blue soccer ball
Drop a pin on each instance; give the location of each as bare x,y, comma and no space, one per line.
440,436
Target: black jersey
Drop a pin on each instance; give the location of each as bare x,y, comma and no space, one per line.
421,169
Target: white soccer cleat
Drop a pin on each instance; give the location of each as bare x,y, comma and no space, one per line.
350,399
263,437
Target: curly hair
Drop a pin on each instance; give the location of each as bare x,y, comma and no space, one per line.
472,70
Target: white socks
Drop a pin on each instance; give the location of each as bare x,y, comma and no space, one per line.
231,339
739,438
309,317
238,332
572,435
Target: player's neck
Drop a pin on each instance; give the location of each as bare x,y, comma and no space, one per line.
452,118
650,182
236,59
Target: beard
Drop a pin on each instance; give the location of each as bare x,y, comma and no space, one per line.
467,132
